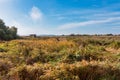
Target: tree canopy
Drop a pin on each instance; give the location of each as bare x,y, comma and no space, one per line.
6,32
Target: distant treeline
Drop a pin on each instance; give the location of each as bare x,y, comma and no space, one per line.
93,35
39,36
6,32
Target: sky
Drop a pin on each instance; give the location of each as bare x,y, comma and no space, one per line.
62,16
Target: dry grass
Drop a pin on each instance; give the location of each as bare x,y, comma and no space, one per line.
68,58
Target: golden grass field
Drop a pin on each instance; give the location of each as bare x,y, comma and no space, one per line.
61,58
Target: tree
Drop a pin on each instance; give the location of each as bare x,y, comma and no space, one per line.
6,32
13,32
2,24
2,34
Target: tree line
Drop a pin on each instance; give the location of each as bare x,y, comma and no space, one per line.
6,32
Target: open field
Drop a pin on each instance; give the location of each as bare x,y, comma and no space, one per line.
61,58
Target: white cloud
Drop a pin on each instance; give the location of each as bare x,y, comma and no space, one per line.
36,14
87,23
117,13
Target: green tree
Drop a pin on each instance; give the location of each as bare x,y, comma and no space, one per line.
2,24
7,33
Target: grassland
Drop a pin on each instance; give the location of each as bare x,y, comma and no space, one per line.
61,58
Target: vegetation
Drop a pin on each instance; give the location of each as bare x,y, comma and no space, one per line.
7,33
61,58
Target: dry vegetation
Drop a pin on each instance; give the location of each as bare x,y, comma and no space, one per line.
61,58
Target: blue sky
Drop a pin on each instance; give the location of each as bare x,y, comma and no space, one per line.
62,16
